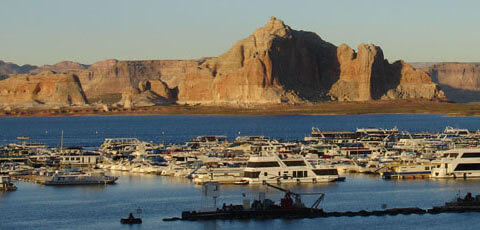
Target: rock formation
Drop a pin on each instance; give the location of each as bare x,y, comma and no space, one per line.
148,93
277,64
61,67
112,77
11,68
460,81
46,88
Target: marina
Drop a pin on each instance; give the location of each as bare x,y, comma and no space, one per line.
154,169
320,158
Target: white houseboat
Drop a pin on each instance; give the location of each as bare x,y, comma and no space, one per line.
458,163
272,169
81,178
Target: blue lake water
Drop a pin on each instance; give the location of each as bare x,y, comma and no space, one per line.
34,206
92,130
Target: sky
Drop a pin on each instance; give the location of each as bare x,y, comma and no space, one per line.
86,31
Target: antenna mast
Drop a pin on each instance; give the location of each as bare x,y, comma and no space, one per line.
61,142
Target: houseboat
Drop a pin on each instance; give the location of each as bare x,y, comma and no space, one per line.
272,169
458,163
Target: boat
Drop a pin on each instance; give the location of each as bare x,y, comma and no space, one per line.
80,178
468,203
331,136
272,169
458,163
291,206
6,183
456,131
408,171
131,220
220,173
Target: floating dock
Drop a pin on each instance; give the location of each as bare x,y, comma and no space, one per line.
317,213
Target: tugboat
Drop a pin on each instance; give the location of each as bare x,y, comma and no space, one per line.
290,206
468,203
131,220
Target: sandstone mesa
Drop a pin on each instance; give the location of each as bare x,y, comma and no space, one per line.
276,64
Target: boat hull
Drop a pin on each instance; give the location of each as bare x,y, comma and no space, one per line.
79,182
131,221
249,214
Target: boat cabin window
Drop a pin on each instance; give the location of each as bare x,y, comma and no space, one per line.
321,172
470,155
467,167
427,168
262,164
294,163
251,174
300,174
452,155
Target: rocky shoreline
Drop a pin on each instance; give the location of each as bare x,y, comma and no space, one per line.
322,108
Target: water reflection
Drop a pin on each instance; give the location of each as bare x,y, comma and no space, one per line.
4,194
210,225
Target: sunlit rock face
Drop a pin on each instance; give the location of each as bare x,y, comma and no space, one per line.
275,64
46,88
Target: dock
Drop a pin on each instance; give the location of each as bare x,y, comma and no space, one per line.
317,213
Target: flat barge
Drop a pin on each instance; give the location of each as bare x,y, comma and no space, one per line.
291,207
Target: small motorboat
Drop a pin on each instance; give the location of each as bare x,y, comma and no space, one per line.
242,182
131,220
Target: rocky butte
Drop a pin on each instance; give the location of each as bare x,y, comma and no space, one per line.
275,64
44,89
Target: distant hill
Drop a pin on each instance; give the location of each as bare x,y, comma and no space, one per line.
11,68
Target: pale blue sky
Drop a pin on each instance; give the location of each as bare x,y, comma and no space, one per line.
49,31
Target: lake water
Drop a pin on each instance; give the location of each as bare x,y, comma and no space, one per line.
34,206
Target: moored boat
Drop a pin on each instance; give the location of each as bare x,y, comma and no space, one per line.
131,220
80,178
458,163
6,183
272,169
408,171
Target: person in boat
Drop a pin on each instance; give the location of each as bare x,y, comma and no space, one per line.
130,216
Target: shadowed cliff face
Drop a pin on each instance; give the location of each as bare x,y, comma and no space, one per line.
11,68
305,64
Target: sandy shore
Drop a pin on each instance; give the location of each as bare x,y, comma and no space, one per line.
323,108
